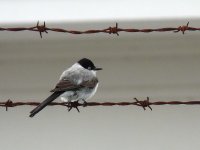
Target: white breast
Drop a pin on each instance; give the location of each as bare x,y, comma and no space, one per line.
77,74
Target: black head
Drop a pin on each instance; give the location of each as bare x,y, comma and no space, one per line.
88,64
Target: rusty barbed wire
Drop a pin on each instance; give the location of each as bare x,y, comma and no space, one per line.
141,103
110,30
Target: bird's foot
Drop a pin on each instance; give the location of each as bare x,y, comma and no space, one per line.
82,102
71,105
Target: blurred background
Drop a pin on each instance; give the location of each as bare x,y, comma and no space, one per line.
163,66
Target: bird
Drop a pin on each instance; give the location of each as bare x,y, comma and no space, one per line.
77,83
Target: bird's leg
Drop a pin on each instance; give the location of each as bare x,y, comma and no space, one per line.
83,103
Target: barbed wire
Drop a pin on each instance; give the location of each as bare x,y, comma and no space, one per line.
110,30
141,103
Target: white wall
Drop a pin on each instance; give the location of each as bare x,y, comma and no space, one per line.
163,66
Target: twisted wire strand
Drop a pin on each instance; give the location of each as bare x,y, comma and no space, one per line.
110,30
141,103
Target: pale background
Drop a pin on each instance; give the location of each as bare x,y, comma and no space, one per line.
163,66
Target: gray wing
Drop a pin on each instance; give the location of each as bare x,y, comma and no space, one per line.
66,85
91,83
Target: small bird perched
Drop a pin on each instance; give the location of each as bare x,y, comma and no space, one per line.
79,82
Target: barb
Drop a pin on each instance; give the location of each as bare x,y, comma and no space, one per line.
140,103
110,30
41,28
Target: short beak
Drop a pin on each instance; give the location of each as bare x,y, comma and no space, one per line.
97,69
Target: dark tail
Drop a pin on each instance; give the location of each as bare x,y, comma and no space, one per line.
45,103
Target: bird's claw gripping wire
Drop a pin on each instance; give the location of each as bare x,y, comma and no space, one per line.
83,102
144,103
